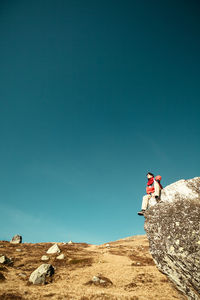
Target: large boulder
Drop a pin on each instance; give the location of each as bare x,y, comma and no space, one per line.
39,275
173,231
182,189
17,239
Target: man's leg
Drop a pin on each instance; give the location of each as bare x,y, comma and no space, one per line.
145,202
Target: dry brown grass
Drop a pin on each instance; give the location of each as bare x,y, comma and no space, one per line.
127,264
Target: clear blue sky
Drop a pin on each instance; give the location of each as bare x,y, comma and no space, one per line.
93,95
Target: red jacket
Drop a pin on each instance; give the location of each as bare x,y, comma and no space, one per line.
150,184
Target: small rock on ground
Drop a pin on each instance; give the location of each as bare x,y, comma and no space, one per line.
53,249
100,281
61,256
5,260
45,258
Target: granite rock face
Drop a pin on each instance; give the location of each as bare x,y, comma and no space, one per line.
173,230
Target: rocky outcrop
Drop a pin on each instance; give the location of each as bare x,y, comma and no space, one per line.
173,230
17,239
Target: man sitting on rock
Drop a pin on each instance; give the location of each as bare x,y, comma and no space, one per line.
153,189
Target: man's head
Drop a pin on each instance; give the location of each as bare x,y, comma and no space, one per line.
149,175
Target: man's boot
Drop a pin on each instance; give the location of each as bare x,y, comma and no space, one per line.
141,213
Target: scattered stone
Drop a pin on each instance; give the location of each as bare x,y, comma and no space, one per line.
17,239
39,275
19,250
173,231
61,256
95,279
22,275
107,245
70,243
53,249
45,258
5,260
100,281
